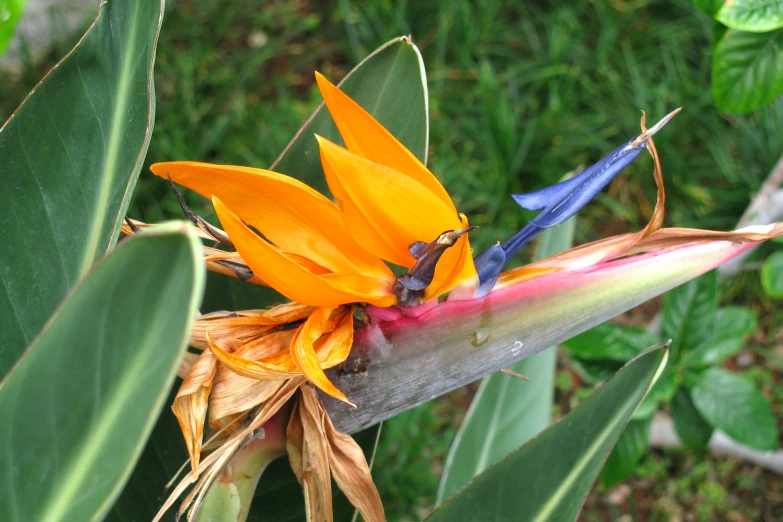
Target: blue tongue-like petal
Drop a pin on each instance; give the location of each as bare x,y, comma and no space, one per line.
559,202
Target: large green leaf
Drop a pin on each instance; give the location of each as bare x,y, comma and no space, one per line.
708,6
506,412
610,341
746,70
10,13
693,430
628,451
733,325
688,314
548,478
751,15
71,155
79,405
381,83
772,275
732,404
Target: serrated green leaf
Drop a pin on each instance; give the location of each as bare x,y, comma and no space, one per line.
733,325
548,478
506,412
392,68
10,13
629,450
745,70
71,155
772,275
694,431
688,313
79,405
609,341
756,16
730,403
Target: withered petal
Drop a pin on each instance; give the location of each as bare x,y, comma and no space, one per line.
190,404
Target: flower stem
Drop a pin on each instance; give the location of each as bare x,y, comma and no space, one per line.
230,497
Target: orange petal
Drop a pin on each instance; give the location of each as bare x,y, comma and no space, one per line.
293,216
365,136
387,210
305,357
288,277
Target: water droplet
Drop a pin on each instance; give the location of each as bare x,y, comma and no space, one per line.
479,337
517,348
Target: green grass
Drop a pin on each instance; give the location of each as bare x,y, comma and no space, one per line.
521,93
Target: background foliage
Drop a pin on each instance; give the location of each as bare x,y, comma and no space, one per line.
520,95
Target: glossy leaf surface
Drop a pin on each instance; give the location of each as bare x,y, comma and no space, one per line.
746,70
79,405
772,275
751,15
733,324
628,451
548,478
693,430
730,403
71,155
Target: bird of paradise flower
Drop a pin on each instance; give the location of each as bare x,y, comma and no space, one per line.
331,259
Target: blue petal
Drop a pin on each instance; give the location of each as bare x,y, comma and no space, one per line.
565,199
488,266
560,202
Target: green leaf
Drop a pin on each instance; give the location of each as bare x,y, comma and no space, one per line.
629,450
694,431
732,404
548,478
79,405
708,6
10,13
390,66
662,392
688,313
390,84
772,275
610,341
745,70
733,325
594,372
756,16
71,155
506,412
